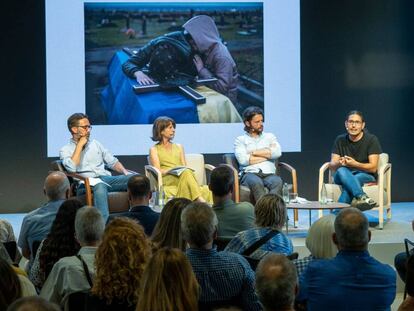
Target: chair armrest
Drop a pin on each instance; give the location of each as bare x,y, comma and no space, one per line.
88,189
322,171
154,173
292,171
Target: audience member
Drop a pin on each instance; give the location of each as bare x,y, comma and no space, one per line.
74,273
232,217
36,225
225,278
276,283
400,261
33,303
408,303
167,231
59,243
353,280
168,283
256,151
319,242
89,158
7,235
270,213
139,194
120,262
12,285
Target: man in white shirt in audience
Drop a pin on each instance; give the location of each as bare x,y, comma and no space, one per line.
256,152
75,273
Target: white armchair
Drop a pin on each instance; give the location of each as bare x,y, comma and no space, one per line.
194,161
379,191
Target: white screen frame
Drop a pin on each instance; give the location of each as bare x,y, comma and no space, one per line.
65,78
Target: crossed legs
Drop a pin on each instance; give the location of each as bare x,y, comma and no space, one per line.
257,184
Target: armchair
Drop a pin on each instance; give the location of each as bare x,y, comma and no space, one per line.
244,194
379,191
117,201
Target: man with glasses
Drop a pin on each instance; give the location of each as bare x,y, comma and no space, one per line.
89,158
355,159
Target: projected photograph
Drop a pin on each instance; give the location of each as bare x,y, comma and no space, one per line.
198,62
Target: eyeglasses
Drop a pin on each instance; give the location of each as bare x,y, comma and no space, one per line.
85,127
352,122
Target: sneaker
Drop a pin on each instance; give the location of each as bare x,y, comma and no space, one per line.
363,203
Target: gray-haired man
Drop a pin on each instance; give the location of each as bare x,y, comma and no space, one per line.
68,274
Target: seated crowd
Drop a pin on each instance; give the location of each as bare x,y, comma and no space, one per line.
80,257
142,260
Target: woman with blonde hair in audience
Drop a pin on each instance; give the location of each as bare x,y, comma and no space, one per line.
167,231
120,262
167,156
168,283
319,242
271,214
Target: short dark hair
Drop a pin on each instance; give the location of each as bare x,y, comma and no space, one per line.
351,229
74,119
249,113
276,281
139,186
221,180
357,112
160,124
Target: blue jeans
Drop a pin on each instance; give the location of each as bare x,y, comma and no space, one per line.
257,184
100,191
351,182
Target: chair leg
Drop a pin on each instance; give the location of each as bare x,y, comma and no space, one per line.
295,217
381,217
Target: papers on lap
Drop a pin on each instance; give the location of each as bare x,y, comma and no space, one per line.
177,171
93,181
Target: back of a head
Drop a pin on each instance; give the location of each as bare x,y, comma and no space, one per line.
120,260
89,225
351,229
139,186
56,186
198,224
319,239
33,303
168,282
270,211
221,181
276,282
167,231
10,289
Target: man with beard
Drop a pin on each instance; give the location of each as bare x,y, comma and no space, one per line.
90,158
256,152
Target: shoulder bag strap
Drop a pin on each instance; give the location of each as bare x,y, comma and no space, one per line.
260,242
86,270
